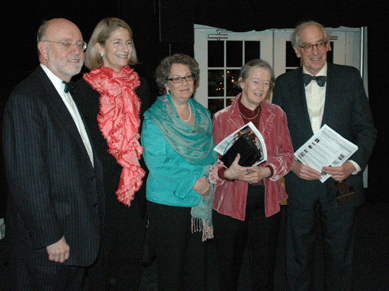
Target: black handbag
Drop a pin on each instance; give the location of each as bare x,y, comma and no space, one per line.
249,153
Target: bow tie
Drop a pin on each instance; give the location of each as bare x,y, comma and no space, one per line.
69,87
321,80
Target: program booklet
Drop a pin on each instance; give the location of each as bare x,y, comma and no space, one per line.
248,142
325,148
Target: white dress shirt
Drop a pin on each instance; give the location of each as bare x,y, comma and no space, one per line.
73,110
316,97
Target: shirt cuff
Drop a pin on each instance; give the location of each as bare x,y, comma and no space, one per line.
357,167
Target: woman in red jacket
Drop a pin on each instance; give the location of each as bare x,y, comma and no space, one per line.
247,199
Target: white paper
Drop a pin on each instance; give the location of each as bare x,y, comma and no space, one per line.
252,131
325,148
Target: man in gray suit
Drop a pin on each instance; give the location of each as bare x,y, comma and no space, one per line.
55,204
321,93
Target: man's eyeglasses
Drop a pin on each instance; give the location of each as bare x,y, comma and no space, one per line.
321,45
81,45
188,78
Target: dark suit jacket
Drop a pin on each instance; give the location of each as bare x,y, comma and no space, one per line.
54,190
346,111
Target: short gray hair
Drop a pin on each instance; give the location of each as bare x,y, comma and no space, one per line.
295,38
246,70
41,33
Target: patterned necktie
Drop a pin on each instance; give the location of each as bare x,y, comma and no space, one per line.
321,80
69,87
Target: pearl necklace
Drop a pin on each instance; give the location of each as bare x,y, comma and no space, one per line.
190,114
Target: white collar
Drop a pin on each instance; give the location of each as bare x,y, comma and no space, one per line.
57,82
322,72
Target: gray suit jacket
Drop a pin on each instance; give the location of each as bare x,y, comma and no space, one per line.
346,111
54,190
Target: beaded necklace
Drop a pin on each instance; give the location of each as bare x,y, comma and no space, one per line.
190,114
250,118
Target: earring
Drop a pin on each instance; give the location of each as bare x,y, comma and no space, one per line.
102,55
167,92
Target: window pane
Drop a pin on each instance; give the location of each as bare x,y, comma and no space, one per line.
215,53
229,101
214,105
252,51
232,81
215,82
234,54
291,59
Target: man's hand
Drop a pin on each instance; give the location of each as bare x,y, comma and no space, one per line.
305,172
59,252
340,173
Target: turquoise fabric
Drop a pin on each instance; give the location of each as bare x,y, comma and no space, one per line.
177,154
194,144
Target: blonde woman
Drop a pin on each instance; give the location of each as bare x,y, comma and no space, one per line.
112,99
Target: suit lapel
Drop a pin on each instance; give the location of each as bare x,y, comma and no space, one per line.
54,99
300,102
330,101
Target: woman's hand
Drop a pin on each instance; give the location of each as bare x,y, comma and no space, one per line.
256,174
235,171
251,175
202,186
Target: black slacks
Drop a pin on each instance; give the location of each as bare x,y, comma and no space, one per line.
33,276
181,255
118,265
259,233
339,240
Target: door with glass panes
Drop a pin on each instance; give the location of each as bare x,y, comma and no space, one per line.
221,54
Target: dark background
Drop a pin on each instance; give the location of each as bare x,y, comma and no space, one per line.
163,27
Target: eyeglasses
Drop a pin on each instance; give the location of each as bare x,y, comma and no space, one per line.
188,78
82,45
321,45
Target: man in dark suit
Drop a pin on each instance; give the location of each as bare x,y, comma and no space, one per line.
55,206
337,98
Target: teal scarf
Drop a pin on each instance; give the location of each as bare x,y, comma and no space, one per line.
194,144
